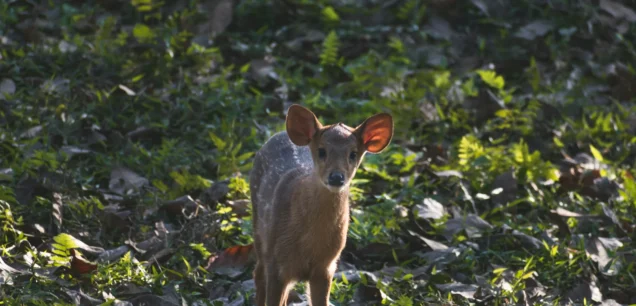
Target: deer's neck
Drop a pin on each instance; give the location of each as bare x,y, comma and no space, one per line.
323,200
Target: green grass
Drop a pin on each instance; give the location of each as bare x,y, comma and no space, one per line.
131,127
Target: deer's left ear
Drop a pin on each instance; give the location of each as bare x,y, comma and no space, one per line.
376,132
301,125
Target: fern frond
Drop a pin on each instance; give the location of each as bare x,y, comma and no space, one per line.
469,149
406,9
330,46
396,44
329,15
492,79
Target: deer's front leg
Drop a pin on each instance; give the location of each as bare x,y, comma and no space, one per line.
276,290
320,287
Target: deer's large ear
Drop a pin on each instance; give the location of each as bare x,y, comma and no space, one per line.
376,132
301,125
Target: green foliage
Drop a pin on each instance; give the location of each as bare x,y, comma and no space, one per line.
411,10
239,187
62,246
10,224
144,5
143,86
199,247
126,270
496,82
330,46
534,75
476,159
520,120
530,165
629,193
230,159
492,79
404,301
406,163
143,33
329,15
469,149
187,182
375,225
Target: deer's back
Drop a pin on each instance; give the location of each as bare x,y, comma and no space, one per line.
277,157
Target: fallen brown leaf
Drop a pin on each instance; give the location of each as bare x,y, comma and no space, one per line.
534,29
182,205
113,254
7,88
79,264
215,194
466,290
429,209
618,10
57,213
472,224
124,181
432,244
235,256
587,290
240,207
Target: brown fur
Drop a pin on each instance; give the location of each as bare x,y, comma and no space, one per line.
300,221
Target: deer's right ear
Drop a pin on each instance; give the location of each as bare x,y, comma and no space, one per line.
376,132
301,125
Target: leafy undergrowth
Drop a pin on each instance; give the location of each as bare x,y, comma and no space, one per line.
127,130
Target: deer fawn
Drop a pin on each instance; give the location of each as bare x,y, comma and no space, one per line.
300,196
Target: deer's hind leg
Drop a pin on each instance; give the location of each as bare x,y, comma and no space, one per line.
259,283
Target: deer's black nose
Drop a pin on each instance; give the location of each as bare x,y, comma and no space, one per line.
336,179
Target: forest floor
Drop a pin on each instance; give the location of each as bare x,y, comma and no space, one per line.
127,130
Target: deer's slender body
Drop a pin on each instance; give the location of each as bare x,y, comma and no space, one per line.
299,188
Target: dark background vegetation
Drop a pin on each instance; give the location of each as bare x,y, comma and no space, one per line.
127,129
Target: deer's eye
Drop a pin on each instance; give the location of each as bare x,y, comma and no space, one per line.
353,155
322,153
